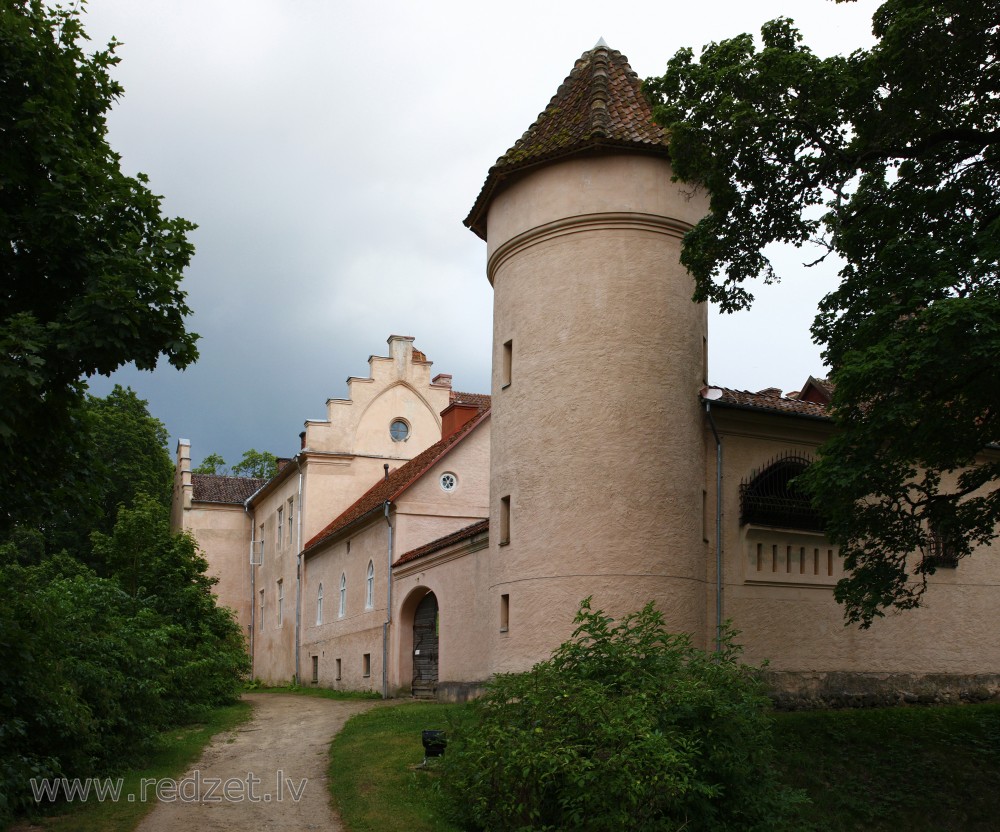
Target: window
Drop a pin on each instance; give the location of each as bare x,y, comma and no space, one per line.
281,598
260,617
315,669
505,520
769,497
261,542
939,551
291,516
343,594
448,481
508,359
399,430
281,527
370,587
319,605
366,665
504,613
338,669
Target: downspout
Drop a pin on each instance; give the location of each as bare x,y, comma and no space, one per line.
718,524
388,609
253,591
298,575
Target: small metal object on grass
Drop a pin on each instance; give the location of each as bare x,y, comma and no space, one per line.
434,744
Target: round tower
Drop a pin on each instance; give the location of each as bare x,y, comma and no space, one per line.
598,449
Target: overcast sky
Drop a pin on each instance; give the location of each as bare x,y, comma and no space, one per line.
328,152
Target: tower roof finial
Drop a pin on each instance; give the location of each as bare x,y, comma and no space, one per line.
601,44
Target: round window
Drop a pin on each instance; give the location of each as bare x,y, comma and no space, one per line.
399,431
448,482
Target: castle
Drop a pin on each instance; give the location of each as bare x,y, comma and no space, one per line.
422,539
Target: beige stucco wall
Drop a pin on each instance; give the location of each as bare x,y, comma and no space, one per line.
358,631
596,439
459,578
790,618
398,387
424,512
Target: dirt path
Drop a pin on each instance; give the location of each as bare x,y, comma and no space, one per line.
274,768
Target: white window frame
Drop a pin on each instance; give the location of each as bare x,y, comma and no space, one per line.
370,587
281,598
281,526
343,594
319,604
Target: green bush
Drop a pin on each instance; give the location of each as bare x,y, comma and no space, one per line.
626,727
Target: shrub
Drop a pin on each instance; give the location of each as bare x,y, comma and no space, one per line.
627,726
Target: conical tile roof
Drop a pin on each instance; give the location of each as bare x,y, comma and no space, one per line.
599,107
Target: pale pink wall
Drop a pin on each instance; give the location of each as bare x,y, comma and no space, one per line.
793,621
597,436
359,630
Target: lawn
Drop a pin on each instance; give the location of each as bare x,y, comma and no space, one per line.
881,770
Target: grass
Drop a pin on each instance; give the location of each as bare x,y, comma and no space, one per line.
373,777
322,693
918,769
176,750
882,770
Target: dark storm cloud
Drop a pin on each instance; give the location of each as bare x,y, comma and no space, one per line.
329,151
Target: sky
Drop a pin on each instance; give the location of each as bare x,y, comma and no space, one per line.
328,151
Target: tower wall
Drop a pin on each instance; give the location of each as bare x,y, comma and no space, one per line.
597,438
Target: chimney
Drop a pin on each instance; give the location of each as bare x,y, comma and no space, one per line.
455,415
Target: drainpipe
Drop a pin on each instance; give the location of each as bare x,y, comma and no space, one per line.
253,591
709,395
298,575
388,609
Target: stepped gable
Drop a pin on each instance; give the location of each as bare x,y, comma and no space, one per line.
214,488
600,107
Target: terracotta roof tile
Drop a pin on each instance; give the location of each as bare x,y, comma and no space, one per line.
478,527
395,484
213,488
764,400
599,106
480,400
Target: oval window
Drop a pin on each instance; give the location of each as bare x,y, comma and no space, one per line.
399,431
448,481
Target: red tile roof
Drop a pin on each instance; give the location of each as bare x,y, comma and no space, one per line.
478,527
480,400
600,106
766,400
213,488
389,488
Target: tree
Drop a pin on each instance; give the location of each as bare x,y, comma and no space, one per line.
91,267
260,464
212,464
888,159
627,726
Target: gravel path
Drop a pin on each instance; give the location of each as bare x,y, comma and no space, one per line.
267,776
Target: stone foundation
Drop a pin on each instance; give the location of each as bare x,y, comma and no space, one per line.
793,691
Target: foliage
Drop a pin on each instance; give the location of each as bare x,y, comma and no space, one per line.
258,464
626,727
125,455
91,267
91,667
888,159
212,464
